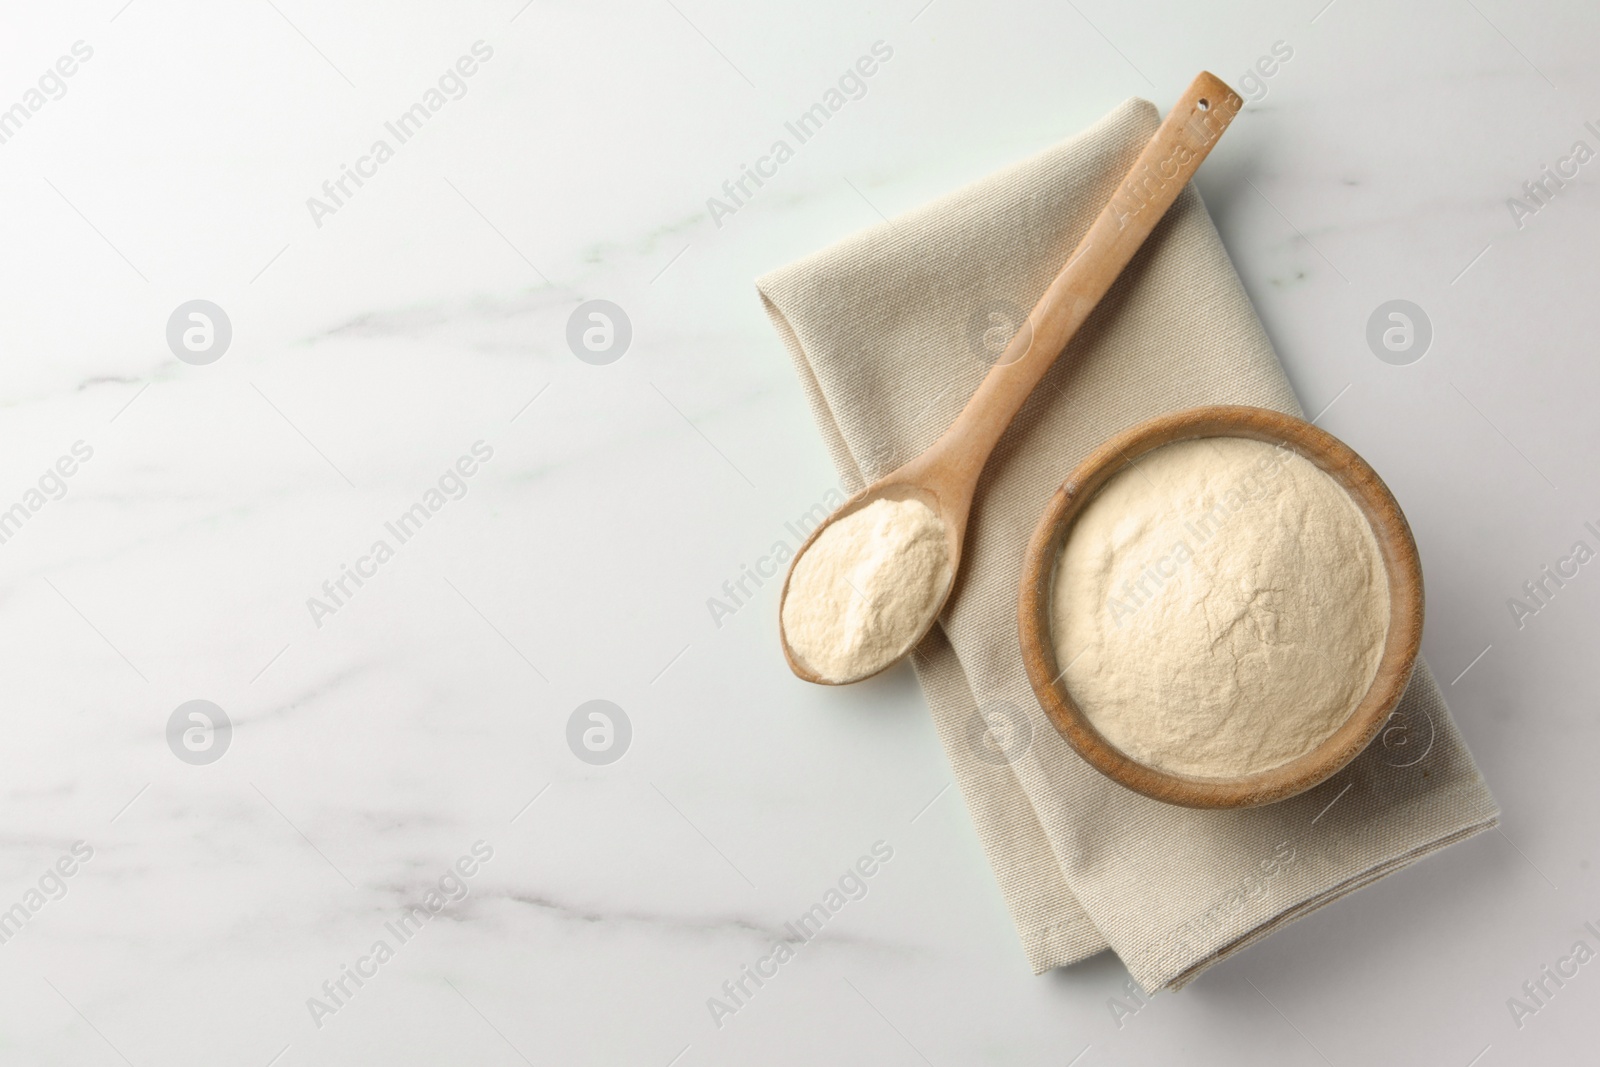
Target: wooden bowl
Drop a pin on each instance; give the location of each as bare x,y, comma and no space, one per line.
1395,544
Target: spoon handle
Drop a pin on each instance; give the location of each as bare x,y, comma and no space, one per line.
1174,153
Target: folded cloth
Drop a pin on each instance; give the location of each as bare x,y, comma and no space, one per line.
891,330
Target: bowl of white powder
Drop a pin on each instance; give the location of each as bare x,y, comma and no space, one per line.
1221,607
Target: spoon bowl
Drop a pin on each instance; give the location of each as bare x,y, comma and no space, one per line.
889,488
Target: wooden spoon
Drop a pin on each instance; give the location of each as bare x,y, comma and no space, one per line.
945,476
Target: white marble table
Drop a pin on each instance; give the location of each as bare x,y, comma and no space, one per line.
380,335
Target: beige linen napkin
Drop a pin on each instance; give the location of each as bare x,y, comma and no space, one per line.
891,330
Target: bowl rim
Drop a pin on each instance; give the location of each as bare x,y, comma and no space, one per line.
1396,546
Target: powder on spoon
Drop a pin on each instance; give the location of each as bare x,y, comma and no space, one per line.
1220,607
866,588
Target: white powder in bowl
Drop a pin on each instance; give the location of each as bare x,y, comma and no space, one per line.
866,589
1219,608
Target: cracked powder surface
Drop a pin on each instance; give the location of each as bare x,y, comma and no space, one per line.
1220,607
